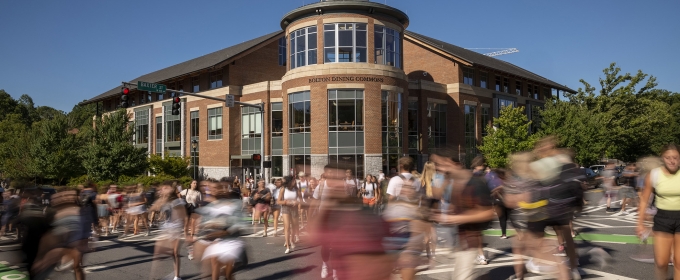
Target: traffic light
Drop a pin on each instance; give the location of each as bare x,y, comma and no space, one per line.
256,157
176,105
124,96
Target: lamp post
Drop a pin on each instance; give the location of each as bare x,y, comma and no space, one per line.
194,145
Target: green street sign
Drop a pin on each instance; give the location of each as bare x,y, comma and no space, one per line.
151,87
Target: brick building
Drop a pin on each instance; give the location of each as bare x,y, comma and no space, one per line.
342,81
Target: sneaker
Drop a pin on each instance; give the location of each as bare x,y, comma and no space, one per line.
176,278
504,237
609,210
292,245
65,266
480,260
324,272
287,251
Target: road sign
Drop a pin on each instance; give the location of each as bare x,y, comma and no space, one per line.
229,101
151,87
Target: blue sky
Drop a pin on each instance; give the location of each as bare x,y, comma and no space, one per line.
62,52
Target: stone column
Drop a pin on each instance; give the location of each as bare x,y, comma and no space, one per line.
318,162
373,163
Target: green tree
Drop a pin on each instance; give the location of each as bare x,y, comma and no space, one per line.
510,134
173,166
15,143
55,150
110,153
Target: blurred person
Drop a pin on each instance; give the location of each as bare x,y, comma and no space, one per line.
351,184
218,244
193,198
381,176
36,223
303,186
171,227
88,212
136,208
479,169
351,237
472,210
629,188
68,237
262,198
313,201
115,201
11,206
393,190
369,192
275,206
407,217
609,183
428,181
289,199
150,198
664,183
103,212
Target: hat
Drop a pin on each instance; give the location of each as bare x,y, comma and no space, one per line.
301,174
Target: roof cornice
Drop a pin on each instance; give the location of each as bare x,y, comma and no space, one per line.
350,6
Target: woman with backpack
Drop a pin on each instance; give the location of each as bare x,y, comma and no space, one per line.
193,197
664,183
369,192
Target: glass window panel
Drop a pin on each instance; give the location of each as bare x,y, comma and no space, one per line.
361,55
329,54
332,113
329,39
346,139
344,54
346,94
361,38
329,27
306,95
312,29
311,39
359,112
361,26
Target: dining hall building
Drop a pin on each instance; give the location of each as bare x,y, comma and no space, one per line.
341,81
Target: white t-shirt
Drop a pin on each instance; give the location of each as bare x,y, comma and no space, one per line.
370,190
275,192
394,186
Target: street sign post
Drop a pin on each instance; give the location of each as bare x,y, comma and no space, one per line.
229,101
151,87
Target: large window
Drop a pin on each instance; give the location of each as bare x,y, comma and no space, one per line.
391,130
299,131
436,114
518,88
413,142
303,47
173,126
142,127
498,83
356,163
470,127
159,135
387,46
483,79
546,92
468,76
346,128
504,102
195,84
529,90
277,139
535,95
216,79
282,51
486,120
534,116
215,123
251,130
195,132
345,42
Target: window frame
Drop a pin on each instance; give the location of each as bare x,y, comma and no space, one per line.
216,79
336,47
468,76
306,53
216,133
484,80
382,49
389,100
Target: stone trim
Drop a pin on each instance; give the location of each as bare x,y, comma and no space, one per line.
299,25
388,25
434,100
392,88
256,101
334,86
193,109
484,105
253,88
296,89
277,99
216,105
345,19
344,68
158,115
468,102
275,85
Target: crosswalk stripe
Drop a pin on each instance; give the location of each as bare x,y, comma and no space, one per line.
591,224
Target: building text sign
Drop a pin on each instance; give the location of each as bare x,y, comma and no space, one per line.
346,79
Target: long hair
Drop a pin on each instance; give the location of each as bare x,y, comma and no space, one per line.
426,179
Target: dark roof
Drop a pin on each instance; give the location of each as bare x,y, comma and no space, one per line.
344,6
476,58
190,66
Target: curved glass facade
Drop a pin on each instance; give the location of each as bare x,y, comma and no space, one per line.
387,46
345,42
303,47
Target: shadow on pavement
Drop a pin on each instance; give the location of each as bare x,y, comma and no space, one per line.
274,260
289,273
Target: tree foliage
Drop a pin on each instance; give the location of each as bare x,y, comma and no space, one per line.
625,119
173,166
110,153
508,135
55,150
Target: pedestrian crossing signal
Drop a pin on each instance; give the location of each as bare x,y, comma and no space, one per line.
256,157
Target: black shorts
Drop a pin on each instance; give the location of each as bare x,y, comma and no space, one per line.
667,221
539,226
190,209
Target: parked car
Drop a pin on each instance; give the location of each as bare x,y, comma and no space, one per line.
592,179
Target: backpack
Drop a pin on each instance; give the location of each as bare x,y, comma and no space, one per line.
86,199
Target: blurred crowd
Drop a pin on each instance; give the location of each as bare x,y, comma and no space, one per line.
375,227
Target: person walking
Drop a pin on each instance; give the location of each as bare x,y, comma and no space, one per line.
168,242
664,183
275,190
193,198
289,199
135,210
262,197
370,192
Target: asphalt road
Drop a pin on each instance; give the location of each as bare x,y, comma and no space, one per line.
130,257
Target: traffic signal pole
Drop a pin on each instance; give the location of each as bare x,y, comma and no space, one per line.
259,106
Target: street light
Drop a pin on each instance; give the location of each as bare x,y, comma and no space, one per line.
194,145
